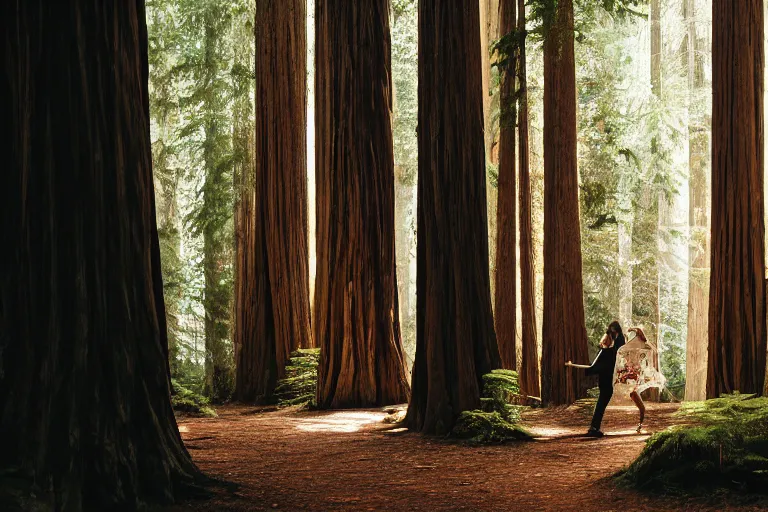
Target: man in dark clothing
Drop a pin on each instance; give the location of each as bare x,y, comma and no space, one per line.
604,367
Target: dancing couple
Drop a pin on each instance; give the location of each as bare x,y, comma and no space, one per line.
629,365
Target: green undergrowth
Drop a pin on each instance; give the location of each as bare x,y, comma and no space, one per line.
724,449
188,402
299,386
498,419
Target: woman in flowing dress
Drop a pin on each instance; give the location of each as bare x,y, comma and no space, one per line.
636,372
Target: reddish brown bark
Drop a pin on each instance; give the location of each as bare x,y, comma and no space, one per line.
275,316
698,254
505,313
564,334
86,419
356,318
529,364
456,343
737,336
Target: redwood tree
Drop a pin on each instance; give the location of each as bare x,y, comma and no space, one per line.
455,343
737,336
273,307
564,333
356,320
698,253
86,419
505,313
529,365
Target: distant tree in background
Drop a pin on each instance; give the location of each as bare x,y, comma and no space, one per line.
564,332
529,364
505,289
698,207
273,313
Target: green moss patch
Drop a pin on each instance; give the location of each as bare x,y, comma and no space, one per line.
726,449
497,420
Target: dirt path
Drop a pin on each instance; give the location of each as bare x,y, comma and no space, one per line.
351,460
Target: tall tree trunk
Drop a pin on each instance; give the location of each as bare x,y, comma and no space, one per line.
662,204
565,333
698,217
215,211
455,341
86,421
404,203
276,318
505,313
357,323
489,32
529,365
737,336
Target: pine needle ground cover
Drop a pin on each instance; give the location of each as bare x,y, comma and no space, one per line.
725,450
498,420
299,387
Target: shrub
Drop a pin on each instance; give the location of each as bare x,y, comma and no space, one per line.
299,386
497,421
187,401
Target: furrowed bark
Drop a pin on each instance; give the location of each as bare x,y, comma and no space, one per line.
86,420
505,312
529,365
456,343
564,333
275,318
356,318
737,336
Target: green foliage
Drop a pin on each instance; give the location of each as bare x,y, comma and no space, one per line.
199,78
726,450
298,388
542,14
479,427
189,402
497,422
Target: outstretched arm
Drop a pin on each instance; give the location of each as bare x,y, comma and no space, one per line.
572,365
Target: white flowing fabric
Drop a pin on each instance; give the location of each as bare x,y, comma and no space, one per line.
635,370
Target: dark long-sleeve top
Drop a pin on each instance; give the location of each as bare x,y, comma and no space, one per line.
605,362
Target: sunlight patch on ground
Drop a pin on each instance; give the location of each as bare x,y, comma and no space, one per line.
340,422
183,428
549,432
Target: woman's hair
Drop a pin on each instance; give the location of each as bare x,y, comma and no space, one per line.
615,327
639,333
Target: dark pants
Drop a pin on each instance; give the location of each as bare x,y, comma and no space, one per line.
606,392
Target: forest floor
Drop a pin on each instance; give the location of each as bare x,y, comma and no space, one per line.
353,460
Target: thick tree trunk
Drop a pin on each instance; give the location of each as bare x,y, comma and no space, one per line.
356,323
86,420
698,208
455,342
564,334
275,319
505,312
529,365
737,336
